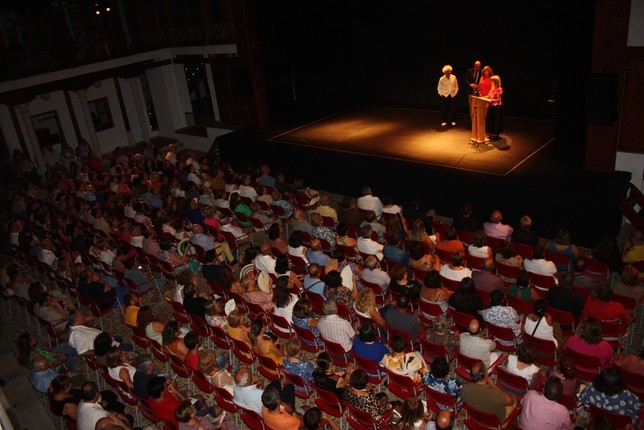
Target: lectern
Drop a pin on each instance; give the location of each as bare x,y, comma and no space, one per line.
478,108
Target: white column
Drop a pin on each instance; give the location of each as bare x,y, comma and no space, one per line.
33,138
135,86
213,95
93,140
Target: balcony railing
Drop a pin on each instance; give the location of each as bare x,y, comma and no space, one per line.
43,60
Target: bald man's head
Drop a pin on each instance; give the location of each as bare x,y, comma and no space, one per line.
316,245
243,377
496,217
265,249
474,326
444,419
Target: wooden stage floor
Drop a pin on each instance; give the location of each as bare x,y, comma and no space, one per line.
415,135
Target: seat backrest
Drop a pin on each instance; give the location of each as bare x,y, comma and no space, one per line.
596,269
460,319
500,333
483,419
474,262
465,360
506,270
281,325
524,250
558,258
584,363
465,236
338,354
618,420
307,338
541,282
441,398
633,381
370,366
547,354
450,284
519,305
511,382
431,310
433,350
564,318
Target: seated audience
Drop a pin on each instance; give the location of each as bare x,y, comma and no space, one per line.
473,344
410,364
263,345
587,340
360,396
401,284
502,315
541,411
522,363
334,328
438,379
329,378
483,394
608,392
366,344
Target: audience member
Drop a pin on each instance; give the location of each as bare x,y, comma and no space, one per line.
483,394
473,344
495,227
541,411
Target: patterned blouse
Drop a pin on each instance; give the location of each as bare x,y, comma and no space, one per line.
303,368
369,403
323,232
504,316
624,403
449,386
261,298
340,294
410,364
304,323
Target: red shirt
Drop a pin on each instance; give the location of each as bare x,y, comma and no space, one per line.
192,361
605,311
164,409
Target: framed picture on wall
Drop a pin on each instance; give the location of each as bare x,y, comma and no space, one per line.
101,114
48,128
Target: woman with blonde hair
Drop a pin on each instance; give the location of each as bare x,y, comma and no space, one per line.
294,363
419,234
209,365
365,306
494,117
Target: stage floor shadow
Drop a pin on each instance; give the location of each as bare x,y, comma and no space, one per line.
415,135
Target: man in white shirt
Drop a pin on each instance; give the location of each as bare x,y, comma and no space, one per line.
538,264
89,409
245,393
374,274
367,245
265,261
246,189
369,202
447,90
81,337
496,228
334,328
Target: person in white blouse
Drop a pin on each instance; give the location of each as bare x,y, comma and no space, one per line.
447,90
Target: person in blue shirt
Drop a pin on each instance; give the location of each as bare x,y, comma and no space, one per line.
365,344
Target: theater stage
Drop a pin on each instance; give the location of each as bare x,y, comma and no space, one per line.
405,153
416,135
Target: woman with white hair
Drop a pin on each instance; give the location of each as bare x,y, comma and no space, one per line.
447,90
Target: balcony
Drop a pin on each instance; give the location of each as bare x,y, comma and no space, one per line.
32,62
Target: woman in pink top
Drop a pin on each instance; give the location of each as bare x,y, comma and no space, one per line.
494,117
588,341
